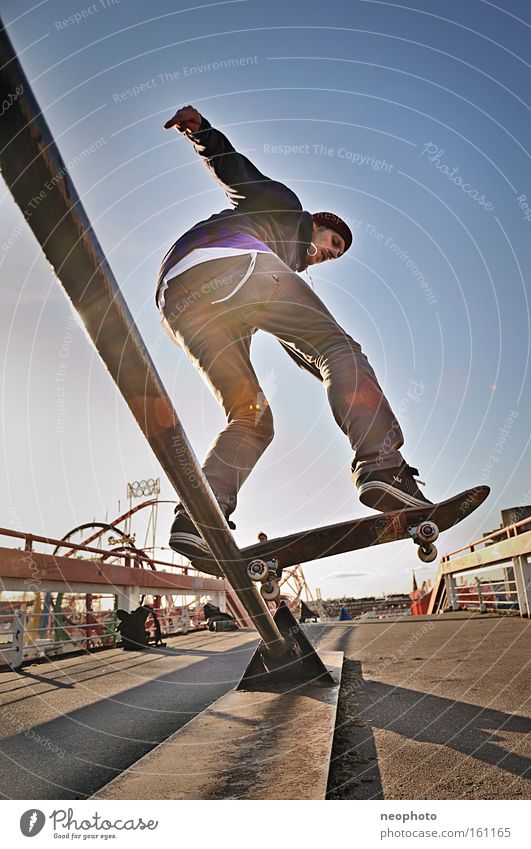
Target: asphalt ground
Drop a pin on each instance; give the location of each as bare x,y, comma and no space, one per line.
433,708
71,725
430,708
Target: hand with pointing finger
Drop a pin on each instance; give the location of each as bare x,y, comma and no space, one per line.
186,120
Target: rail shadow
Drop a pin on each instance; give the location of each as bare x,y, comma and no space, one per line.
471,730
74,754
105,666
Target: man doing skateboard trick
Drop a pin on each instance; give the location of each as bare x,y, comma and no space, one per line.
236,273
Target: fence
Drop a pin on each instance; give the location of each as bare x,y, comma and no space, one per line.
61,634
501,595
130,573
507,549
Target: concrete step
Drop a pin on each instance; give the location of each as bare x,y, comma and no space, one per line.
273,745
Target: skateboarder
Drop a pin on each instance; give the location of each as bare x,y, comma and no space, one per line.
235,273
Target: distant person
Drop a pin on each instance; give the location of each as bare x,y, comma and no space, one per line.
236,273
273,563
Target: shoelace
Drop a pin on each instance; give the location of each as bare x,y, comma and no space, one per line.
414,472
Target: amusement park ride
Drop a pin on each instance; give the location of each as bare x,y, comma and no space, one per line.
29,158
120,536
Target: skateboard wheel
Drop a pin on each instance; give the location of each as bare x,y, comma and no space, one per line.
427,532
270,591
258,570
427,553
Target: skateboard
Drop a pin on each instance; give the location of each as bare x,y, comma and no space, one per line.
265,560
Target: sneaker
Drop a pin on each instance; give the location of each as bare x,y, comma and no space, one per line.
185,539
389,489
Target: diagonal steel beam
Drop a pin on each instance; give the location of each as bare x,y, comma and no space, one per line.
40,184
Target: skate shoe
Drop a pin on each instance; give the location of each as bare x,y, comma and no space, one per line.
185,539
389,489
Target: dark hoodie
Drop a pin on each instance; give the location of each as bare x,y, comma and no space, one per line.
266,214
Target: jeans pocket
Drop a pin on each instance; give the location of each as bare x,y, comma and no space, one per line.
261,289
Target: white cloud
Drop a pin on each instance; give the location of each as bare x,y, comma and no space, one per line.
346,575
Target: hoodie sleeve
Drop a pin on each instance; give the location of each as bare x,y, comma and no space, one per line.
245,186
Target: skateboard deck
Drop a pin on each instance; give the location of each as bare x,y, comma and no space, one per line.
316,543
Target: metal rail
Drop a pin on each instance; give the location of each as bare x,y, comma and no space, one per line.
40,184
507,532
103,554
505,547
487,595
63,633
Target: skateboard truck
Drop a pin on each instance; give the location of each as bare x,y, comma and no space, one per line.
424,535
265,573
299,665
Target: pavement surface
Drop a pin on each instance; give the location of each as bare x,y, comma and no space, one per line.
71,725
430,708
433,708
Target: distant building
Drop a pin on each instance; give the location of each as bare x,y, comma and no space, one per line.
515,514
511,516
369,606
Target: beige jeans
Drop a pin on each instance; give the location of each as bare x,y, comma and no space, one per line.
213,317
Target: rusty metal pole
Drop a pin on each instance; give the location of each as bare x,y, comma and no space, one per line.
40,183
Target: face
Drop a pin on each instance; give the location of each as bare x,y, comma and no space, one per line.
329,244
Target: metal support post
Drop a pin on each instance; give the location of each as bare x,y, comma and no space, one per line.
128,598
451,591
522,578
185,620
482,606
218,598
17,647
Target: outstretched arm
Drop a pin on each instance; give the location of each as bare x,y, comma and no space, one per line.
244,185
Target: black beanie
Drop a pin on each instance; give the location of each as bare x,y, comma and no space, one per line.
334,222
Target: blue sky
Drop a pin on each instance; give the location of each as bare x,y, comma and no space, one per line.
411,122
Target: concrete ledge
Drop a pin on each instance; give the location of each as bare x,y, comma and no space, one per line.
273,745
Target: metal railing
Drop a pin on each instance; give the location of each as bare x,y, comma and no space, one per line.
496,595
506,532
62,634
130,558
29,157
56,637
11,652
507,550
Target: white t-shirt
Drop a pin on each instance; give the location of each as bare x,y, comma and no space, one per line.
196,257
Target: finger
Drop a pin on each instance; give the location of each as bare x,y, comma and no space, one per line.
173,122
